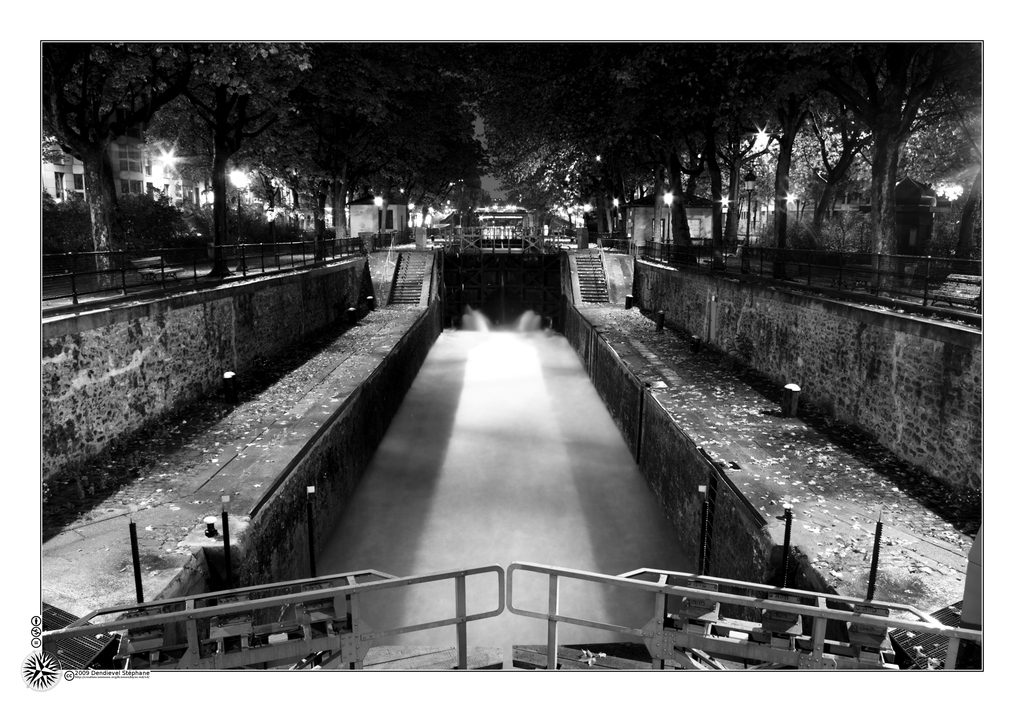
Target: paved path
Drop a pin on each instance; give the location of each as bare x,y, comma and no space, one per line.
835,478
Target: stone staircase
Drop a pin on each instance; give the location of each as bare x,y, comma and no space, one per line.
407,287
590,273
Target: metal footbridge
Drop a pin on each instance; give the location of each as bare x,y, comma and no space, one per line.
698,622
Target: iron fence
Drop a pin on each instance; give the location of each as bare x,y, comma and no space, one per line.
906,280
72,276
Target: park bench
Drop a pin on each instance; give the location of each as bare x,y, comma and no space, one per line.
963,289
154,269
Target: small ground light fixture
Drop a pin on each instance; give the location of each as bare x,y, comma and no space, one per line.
211,526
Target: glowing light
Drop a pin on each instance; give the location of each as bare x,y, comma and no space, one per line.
587,207
239,179
378,201
668,197
615,202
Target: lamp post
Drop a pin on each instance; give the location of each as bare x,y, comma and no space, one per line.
667,198
379,202
240,181
749,181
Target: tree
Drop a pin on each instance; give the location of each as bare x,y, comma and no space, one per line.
95,92
238,90
887,86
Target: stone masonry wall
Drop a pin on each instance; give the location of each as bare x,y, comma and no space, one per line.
672,464
276,543
913,384
107,373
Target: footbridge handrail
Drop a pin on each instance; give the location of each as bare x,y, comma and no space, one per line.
767,628
271,624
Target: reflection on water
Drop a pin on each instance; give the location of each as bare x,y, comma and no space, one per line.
502,451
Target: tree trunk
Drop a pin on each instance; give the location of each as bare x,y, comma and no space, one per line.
102,199
320,220
220,212
791,117
715,173
966,237
884,167
732,215
680,228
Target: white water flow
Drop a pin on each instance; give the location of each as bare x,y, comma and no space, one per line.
502,451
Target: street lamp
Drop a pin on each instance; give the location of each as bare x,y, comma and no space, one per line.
749,181
667,198
240,181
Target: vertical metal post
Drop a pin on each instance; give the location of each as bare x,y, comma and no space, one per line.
705,510
124,286
242,246
74,288
874,556
460,626
309,530
927,276
552,623
227,540
136,564
785,543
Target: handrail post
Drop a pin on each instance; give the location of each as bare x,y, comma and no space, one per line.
552,623
124,286
927,277
460,627
241,245
74,288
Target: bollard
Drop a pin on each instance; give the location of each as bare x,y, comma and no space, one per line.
702,568
790,397
309,530
629,301
370,303
659,320
874,556
785,542
227,540
352,314
136,564
694,344
211,526
230,387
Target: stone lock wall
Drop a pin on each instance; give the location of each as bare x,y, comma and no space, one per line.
108,373
913,384
276,544
672,464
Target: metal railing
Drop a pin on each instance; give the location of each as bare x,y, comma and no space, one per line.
768,625
308,622
496,239
68,278
902,280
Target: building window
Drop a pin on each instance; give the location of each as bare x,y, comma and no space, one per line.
125,187
149,168
389,221
136,187
79,182
58,185
130,158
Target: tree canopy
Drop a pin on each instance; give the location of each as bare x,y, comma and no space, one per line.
564,124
